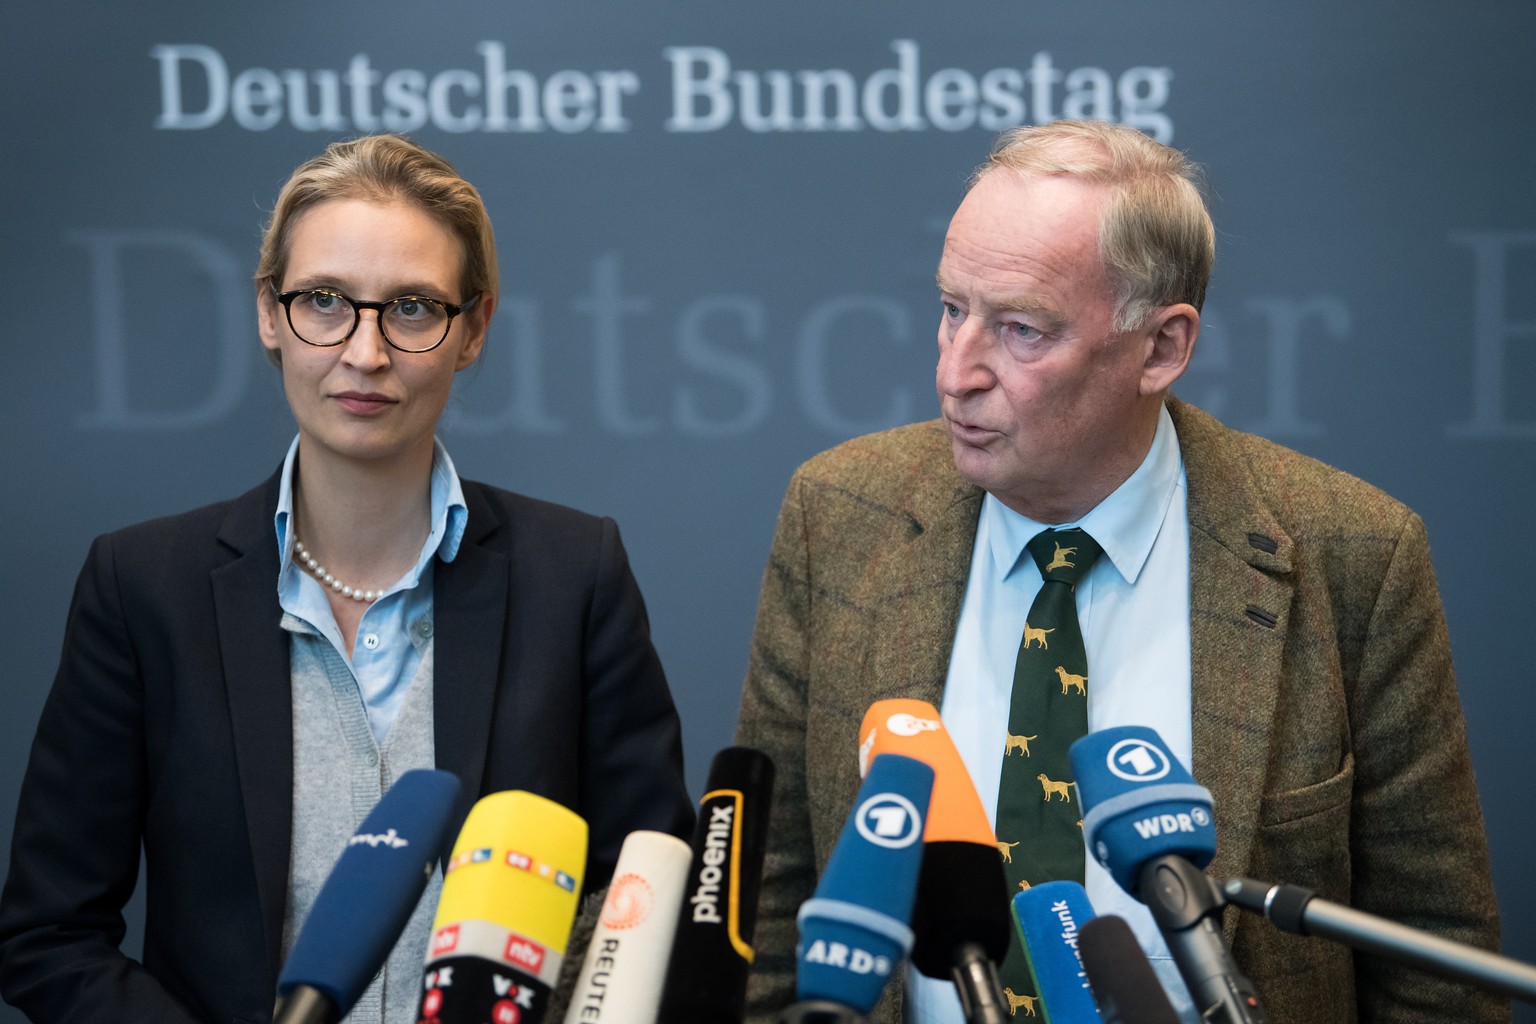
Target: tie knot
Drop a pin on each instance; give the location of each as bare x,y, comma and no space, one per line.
1064,555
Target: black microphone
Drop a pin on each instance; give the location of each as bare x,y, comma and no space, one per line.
1147,821
1299,911
366,900
1124,984
712,947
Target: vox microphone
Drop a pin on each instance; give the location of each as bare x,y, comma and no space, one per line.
366,900
1124,984
712,948
626,962
1297,910
1147,821
960,919
509,898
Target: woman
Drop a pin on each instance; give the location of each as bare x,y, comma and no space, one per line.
241,683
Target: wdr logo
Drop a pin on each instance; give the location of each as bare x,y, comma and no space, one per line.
889,820
1137,760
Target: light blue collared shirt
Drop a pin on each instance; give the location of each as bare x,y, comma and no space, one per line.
397,627
1133,606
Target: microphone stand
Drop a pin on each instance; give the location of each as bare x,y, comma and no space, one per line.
1187,908
976,982
819,1011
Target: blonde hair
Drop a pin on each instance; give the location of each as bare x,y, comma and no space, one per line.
385,168
1156,238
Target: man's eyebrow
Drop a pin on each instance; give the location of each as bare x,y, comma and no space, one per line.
1051,317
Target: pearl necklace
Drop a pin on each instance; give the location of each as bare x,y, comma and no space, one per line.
313,565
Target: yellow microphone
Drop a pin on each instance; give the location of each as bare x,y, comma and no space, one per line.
510,894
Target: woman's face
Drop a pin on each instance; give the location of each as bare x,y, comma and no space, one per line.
364,400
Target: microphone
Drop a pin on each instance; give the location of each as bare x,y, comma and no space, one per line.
509,896
366,900
1124,983
854,932
960,918
626,962
712,949
1149,823
1049,918
1300,912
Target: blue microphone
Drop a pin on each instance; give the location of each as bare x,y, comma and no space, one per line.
1049,918
367,899
1147,821
855,932
1140,803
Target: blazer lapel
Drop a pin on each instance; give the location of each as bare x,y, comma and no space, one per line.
1241,587
254,652
470,609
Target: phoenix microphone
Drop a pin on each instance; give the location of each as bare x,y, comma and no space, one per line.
1049,918
504,916
712,949
960,919
626,962
1149,823
1298,911
854,932
1124,983
366,900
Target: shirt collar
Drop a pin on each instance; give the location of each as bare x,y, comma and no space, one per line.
1125,524
450,516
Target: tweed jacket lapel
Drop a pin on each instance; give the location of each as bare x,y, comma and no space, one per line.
254,652
1240,596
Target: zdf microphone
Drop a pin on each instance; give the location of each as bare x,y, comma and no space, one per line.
504,917
367,899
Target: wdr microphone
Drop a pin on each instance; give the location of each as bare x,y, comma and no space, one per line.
1149,823
1124,984
626,961
503,919
366,900
960,919
1049,918
854,933
712,950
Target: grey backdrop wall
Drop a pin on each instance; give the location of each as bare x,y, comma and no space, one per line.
718,228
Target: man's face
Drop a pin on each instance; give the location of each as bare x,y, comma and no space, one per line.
1043,399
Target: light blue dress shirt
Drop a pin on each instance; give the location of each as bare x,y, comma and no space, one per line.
1133,606
397,627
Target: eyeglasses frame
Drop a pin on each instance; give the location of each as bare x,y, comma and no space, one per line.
285,299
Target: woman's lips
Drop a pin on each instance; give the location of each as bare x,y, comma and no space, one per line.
363,403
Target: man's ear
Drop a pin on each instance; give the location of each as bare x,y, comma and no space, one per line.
1170,343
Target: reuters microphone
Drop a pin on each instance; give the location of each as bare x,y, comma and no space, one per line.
854,933
504,917
712,949
960,920
626,962
1150,824
366,900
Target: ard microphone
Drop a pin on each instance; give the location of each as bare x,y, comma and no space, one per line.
854,932
626,962
504,917
1298,911
1049,918
712,949
366,900
1124,983
1149,823
960,919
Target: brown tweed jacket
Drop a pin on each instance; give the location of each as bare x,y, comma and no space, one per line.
1326,719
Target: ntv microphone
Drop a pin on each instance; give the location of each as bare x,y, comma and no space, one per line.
712,949
1049,918
1124,984
504,916
960,919
854,932
1149,823
626,962
366,900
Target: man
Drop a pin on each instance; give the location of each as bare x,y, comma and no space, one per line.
1276,620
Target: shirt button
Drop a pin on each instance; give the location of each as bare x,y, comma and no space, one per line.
373,758
424,629
371,641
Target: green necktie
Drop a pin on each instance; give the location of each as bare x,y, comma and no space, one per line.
1039,822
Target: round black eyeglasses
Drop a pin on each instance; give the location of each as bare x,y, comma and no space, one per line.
324,317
